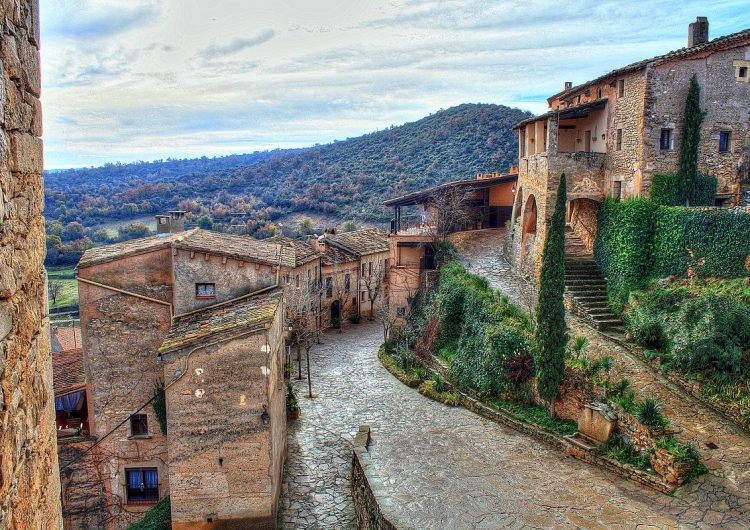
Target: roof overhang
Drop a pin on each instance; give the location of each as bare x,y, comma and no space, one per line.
424,196
568,113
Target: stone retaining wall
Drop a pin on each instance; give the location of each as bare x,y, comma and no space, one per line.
372,506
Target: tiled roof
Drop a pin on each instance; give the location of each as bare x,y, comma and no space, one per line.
236,246
720,43
228,319
66,338
103,254
67,371
303,252
334,254
422,196
362,242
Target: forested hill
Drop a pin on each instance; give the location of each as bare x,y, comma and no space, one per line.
347,179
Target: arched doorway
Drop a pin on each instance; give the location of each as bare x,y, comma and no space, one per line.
528,230
336,314
583,214
517,205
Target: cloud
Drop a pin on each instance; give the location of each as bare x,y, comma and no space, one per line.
238,44
96,19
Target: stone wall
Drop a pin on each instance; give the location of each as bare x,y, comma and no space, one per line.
725,101
84,500
371,505
121,334
225,459
29,479
233,278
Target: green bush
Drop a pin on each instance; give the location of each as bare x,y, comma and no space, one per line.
704,193
158,517
710,333
623,245
646,326
619,449
638,240
664,189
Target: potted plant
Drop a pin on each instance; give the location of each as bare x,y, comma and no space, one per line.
288,368
292,403
354,319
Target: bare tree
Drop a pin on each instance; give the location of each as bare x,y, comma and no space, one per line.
374,283
55,290
386,316
303,310
340,289
450,211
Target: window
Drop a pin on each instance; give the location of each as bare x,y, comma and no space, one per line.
617,190
347,282
354,301
296,281
138,425
621,88
205,291
742,72
400,311
363,296
724,139
370,268
599,93
142,485
329,287
364,269
665,141
618,140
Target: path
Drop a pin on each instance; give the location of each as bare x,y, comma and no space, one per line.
445,467
722,497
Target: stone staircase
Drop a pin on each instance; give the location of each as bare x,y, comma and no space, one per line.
585,287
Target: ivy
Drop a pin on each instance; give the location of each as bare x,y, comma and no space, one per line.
160,407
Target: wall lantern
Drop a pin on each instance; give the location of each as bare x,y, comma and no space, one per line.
513,190
265,417
159,358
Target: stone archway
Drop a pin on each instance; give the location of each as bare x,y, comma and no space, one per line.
583,219
528,230
517,205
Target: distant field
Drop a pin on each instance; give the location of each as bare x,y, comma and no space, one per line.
112,226
65,276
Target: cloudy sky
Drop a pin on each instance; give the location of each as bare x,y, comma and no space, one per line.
147,79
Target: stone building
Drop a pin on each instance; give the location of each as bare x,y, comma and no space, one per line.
362,256
29,481
199,313
611,134
485,202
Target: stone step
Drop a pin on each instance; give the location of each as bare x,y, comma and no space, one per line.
592,298
583,291
583,282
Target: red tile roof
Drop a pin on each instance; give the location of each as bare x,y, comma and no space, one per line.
66,338
67,371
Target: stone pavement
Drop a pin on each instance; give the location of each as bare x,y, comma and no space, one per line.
446,468
723,496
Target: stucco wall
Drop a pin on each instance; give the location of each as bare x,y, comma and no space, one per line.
726,102
29,479
231,279
225,464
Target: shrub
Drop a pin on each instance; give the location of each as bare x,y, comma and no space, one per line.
425,344
704,192
709,334
292,403
646,327
158,517
619,449
440,383
664,189
355,319
430,389
649,413
681,452
519,368
623,245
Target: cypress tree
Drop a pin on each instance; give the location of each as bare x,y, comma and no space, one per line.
691,137
551,330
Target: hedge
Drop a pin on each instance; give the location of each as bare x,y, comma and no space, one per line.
638,240
158,517
665,190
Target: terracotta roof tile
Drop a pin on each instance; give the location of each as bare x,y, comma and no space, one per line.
362,242
303,252
67,371
66,338
223,320
720,43
236,246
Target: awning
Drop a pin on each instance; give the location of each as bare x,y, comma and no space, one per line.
69,402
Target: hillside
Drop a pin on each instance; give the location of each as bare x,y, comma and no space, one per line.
347,179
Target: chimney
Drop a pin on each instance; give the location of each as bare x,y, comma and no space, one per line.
698,32
568,85
162,224
176,221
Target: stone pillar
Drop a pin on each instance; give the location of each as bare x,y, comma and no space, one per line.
29,479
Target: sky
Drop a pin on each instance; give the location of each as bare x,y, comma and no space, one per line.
127,80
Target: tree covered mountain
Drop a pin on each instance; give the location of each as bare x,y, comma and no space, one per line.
347,179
